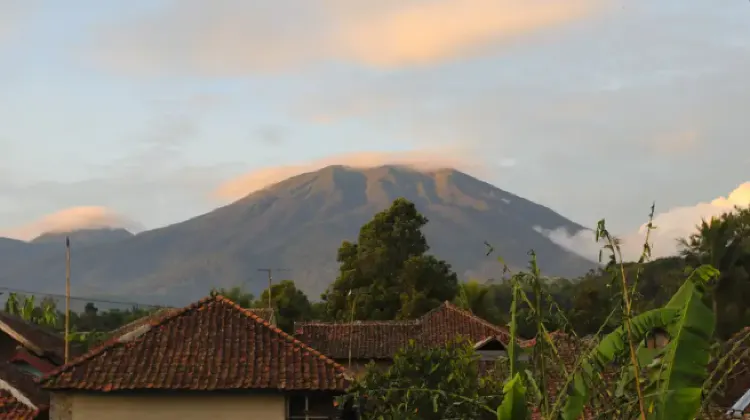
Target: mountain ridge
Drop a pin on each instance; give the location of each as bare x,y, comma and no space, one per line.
299,223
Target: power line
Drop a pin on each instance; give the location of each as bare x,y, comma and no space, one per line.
80,298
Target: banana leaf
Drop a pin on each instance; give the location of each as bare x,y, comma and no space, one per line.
513,406
613,346
677,371
682,366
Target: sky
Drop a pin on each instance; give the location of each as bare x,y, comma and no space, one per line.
143,113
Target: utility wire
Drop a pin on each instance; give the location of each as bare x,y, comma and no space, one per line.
81,298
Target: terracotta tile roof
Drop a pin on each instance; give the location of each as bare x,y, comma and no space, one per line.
447,322
24,383
42,341
382,339
13,409
569,350
154,316
368,340
268,314
264,313
212,344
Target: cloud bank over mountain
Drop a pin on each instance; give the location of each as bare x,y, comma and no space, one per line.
75,218
671,225
424,160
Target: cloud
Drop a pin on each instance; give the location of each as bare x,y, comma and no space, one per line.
418,159
587,149
86,217
671,225
234,37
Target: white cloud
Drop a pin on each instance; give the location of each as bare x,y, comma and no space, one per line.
418,159
235,37
671,225
75,218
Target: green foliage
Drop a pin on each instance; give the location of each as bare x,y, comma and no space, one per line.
669,382
513,406
676,373
388,272
388,275
290,304
723,242
238,296
477,298
436,383
43,314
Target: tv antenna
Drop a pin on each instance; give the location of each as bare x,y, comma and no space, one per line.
270,272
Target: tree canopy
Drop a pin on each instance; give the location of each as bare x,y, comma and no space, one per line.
290,303
387,274
426,384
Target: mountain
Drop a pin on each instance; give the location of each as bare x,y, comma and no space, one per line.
299,224
12,251
84,237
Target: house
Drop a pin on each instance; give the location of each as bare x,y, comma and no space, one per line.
356,344
27,351
20,397
212,359
32,347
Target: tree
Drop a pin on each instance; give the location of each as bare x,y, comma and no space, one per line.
90,309
720,242
238,296
427,384
477,298
387,274
290,303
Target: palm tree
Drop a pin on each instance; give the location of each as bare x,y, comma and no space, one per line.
477,298
720,243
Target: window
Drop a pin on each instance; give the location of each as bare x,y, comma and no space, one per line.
491,349
306,407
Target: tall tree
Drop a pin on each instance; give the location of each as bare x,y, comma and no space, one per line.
721,243
290,303
387,274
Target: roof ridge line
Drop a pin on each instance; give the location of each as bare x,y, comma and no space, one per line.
281,332
113,341
473,316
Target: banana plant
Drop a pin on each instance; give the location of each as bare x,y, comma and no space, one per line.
49,314
12,305
513,406
675,373
27,310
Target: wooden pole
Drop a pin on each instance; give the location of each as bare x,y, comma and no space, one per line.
351,329
67,298
270,282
